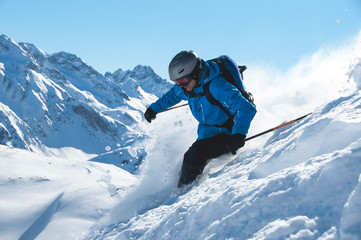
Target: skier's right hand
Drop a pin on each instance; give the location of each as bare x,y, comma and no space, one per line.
149,114
235,142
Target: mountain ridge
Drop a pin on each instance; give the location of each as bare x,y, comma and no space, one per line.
64,102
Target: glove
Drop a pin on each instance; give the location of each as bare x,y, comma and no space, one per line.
235,142
149,114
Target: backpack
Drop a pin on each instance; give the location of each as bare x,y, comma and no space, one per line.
234,75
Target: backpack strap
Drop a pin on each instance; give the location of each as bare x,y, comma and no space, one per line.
212,100
208,95
230,122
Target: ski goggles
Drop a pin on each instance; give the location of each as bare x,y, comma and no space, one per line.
184,81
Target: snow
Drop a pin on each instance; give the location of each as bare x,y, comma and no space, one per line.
61,101
299,182
350,221
58,196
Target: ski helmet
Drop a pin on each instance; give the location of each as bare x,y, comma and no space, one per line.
185,63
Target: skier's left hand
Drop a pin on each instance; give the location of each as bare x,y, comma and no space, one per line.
235,142
149,114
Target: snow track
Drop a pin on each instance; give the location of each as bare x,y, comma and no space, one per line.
40,224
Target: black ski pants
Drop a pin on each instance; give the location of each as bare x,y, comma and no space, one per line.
197,156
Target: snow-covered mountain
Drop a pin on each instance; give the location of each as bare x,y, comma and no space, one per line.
58,100
142,76
300,182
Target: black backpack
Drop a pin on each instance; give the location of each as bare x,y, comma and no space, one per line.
233,74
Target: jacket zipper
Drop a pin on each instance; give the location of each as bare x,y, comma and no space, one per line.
202,113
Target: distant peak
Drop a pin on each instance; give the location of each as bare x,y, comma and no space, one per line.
118,71
6,38
65,57
143,68
9,46
33,50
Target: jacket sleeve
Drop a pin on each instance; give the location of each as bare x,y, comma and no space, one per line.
239,107
172,97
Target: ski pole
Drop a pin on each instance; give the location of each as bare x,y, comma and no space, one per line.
174,107
278,127
259,134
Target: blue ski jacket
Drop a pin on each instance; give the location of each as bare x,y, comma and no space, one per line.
207,114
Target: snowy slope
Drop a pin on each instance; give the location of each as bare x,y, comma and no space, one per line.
58,196
302,182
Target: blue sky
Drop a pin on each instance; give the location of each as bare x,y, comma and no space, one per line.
116,34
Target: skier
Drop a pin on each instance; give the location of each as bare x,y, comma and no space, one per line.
218,133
